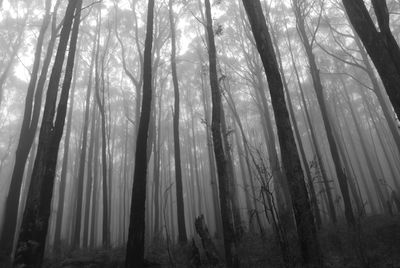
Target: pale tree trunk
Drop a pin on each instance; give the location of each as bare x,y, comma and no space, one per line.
89,178
319,91
182,237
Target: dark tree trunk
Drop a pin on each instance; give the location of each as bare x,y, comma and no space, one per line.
380,45
182,237
328,192
31,242
310,181
27,134
291,160
220,157
135,247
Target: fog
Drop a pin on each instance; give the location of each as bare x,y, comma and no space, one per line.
197,134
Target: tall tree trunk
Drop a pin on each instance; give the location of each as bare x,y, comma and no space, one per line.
89,178
82,159
341,176
135,248
64,171
100,99
211,160
231,174
27,134
31,242
220,156
95,194
370,166
387,111
306,229
314,143
182,236
310,181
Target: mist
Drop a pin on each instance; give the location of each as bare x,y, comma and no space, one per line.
199,133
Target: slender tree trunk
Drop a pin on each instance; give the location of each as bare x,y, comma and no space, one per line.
135,247
327,187
306,229
27,134
225,196
231,174
310,181
211,161
341,176
64,171
95,194
31,242
182,237
89,178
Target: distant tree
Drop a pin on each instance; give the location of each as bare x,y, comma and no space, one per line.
306,229
135,245
82,160
32,238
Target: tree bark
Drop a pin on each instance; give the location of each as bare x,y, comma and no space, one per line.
31,242
381,46
225,196
306,229
64,171
24,145
135,247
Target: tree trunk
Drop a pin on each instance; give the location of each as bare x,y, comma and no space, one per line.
135,247
64,171
31,242
82,160
27,134
306,229
182,237
381,46
220,157
89,178
341,176
310,180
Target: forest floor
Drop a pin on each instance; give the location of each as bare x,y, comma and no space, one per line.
375,244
